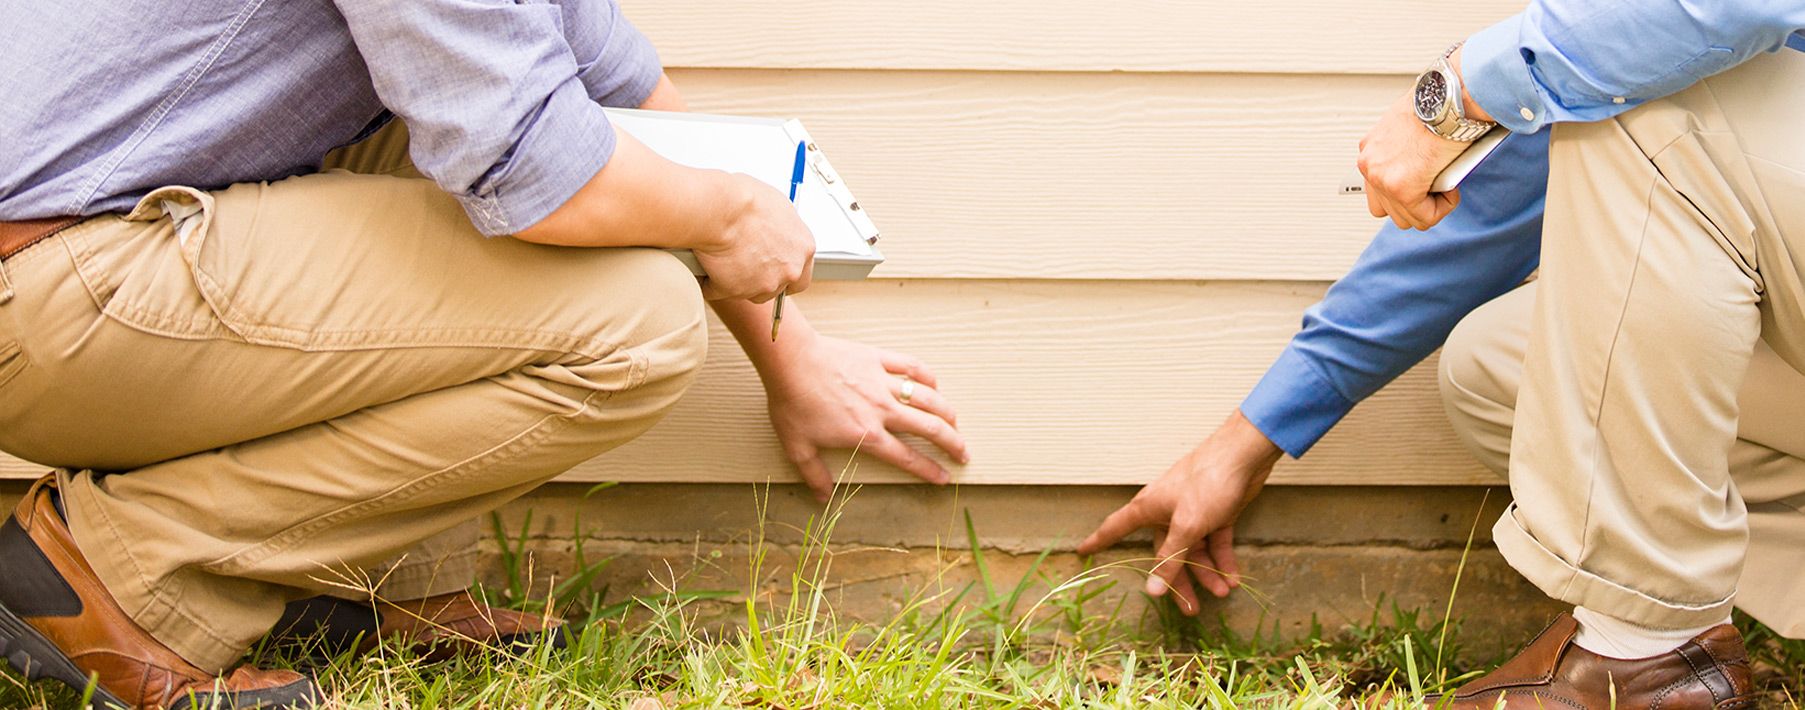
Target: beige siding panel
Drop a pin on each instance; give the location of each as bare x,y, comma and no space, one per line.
1061,383
1190,177
1074,383
14,468
1299,36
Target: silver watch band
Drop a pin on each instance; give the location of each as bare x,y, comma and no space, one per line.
1455,126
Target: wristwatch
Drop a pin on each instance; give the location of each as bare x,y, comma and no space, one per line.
1439,106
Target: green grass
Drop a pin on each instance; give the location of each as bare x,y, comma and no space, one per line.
1032,642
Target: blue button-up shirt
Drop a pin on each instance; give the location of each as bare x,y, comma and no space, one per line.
1560,60
107,100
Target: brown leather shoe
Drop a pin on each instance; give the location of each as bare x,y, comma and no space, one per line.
436,627
1710,671
57,621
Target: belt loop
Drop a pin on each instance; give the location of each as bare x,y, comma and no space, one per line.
6,285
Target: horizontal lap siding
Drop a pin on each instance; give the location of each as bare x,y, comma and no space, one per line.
1103,220
1059,382
1286,36
1086,176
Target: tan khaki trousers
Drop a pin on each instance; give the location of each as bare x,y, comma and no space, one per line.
301,379
1645,393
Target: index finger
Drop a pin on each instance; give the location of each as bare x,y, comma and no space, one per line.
1118,525
815,474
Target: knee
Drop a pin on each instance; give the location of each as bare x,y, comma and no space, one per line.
672,330
1478,376
1461,370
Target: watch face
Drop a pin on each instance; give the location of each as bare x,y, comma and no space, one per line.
1431,95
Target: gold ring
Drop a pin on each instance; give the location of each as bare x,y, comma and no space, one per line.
908,391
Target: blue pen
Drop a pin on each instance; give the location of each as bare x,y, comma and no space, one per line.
795,182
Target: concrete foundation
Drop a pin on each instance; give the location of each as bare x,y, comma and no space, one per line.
1328,554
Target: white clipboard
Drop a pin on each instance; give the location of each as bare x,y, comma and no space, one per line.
765,148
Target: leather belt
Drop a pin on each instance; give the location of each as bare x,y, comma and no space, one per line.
16,236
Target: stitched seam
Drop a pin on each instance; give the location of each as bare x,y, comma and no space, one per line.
13,362
499,453
1699,674
85,194
1537,695
1760,197
157,599
35,252
235,320
81,253
1674,687
1538,679
1604,388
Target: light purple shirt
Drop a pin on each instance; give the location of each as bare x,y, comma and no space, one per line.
106,100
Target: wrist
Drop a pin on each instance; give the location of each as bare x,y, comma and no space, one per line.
777,361
784,362
730,202
1247,445
1471,108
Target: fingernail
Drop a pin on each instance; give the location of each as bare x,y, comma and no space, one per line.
1156,586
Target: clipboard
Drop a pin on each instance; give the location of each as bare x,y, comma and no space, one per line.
1451,176
765,148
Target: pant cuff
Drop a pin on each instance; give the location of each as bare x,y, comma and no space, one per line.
1564,581
414,579
154,610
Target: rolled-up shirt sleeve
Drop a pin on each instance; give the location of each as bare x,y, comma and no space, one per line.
615,62
1589,60
495,110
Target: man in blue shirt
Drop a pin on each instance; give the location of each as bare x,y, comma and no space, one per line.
1624,502
260,378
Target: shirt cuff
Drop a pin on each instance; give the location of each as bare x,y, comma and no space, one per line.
566,144
1496,74
1294,405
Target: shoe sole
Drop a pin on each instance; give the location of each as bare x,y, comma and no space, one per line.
28,652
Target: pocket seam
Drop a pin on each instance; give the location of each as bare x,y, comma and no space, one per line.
13,362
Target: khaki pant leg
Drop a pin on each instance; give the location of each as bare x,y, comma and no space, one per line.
1649,308
382,153
306,377
1482,368
446,562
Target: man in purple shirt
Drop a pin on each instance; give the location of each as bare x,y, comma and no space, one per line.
257,378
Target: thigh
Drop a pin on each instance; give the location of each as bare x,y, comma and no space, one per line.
297,302
1763,105
382,153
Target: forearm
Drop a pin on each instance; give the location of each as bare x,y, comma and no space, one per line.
750,324
1402,297
639,199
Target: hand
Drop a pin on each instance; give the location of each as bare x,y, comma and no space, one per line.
1400,159
836,394
1192,509
763,250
